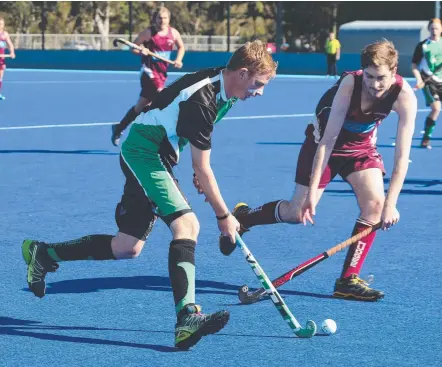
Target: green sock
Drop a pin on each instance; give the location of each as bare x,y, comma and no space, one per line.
429,127
94,247
182,272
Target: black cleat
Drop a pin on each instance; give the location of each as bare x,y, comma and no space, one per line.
355,288
39,263
193,325
225,246
426,143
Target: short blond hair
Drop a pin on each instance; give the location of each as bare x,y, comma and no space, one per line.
433,20
161,9
380,53
254,57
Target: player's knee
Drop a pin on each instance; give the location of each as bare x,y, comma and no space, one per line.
186,226
374,206
289,212
435,107
126,247
130,253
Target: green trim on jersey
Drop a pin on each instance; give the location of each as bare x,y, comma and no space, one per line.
223,106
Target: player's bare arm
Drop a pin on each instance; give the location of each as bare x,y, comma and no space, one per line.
180,49
144,36
406,108
419,82
338,112
10,45
228,225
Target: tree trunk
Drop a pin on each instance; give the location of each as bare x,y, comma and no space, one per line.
101,19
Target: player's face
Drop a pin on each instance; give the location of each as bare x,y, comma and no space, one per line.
435,30
378,80
252,85
162,20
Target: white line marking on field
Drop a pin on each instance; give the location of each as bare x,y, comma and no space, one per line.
259,117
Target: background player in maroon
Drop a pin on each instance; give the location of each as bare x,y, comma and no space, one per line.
5,42
342,141
160,39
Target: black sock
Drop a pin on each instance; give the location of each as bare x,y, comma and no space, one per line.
429,127
130,116
182,272
94,247
266,214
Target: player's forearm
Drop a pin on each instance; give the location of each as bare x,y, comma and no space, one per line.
11,48
416,72
180,54
211,190
397,181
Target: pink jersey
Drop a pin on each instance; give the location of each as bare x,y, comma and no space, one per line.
3,46
360,129
163,46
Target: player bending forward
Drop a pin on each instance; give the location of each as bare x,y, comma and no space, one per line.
342,140
185,112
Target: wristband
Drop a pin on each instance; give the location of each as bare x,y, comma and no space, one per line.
222,217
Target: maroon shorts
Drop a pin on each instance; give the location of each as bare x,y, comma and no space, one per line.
150,87
342,163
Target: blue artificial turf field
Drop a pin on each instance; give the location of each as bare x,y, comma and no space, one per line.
61,182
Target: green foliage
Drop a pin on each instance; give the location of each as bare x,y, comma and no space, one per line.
306,21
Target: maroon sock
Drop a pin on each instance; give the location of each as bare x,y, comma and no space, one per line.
266,214
358,252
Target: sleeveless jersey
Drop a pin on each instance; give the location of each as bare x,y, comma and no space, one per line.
3,46
360,129
161,45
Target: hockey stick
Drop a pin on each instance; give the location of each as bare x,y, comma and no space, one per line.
310,327
4,56
139,48
247,297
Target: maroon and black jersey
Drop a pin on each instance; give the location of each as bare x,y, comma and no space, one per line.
161,45
359,131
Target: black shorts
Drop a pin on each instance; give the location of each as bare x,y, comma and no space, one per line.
136,214
432,92
150,87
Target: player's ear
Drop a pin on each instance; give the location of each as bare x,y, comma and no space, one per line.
243,73
394,71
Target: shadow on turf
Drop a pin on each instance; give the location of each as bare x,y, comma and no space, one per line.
154,283
96,152
34,329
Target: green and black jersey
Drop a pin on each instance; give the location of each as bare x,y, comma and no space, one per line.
186,111
428,58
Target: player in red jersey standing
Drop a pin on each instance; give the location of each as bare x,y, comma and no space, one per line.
5,41
161,40
342,140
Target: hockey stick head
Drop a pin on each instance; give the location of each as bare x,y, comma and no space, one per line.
116,41
308,331
247,298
